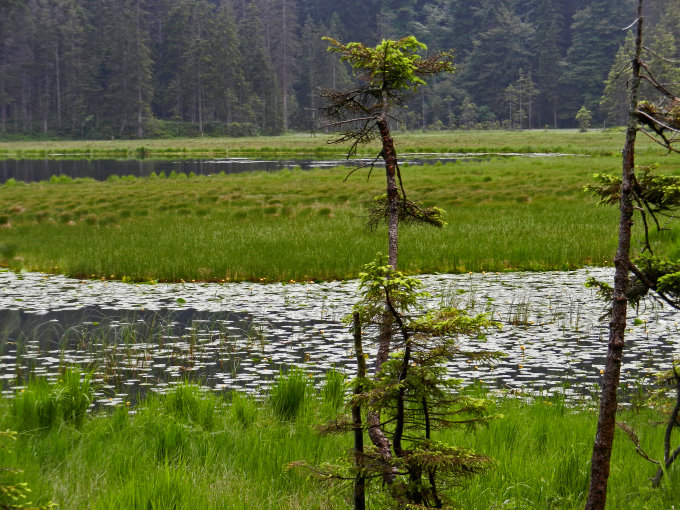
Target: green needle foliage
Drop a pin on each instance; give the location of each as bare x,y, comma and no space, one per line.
414,394
657,198
392,64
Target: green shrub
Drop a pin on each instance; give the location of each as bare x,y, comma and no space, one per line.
8,250
91,219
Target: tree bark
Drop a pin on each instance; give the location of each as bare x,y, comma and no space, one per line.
3,107
668,459
375,432
140,105
58,82
360,479
284,72
604,438
390,156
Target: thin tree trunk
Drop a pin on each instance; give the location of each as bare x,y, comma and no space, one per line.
392,194
360,479
200,103
400,417
668,459
140,117
519,111
604,438
375,432
3,107
46,103
414,471
284,68
140,106
58,82
390,156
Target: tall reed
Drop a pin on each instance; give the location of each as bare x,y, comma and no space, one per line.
288,393
158,456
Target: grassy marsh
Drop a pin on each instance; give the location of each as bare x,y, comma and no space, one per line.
562,140
503,214
190,449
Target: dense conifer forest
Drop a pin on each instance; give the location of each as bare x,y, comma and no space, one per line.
136,68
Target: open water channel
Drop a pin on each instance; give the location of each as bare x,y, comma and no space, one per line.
142,337
28,170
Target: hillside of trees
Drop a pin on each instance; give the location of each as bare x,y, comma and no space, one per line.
134,68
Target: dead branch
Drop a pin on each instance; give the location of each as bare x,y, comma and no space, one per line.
659,56
636,441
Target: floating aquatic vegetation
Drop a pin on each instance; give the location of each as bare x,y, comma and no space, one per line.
228,336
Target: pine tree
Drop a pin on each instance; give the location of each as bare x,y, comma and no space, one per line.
549,25
502,48
124,80
614,104
280,26
260,93
224,76
596,36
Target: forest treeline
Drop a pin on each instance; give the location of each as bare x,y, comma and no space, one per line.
126,68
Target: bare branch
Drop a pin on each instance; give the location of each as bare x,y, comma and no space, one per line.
632,24
650,78
371,164
633,437
348,121
659,56
658,126
650,285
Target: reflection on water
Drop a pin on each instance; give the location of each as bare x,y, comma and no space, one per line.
34,170
239,335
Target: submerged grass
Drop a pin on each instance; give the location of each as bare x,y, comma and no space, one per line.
502,214
190,449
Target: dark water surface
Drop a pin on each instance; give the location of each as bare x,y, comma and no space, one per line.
141,337
34,170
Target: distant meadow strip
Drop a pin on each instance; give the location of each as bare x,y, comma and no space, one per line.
502,213
595,142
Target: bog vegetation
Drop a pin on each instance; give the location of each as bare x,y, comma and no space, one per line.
531,212
191,449
306,225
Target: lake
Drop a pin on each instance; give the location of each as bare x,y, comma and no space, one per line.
147,337
35,170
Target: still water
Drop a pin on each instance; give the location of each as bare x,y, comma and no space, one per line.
145,337
34,170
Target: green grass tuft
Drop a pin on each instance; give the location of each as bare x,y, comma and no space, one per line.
288,393
42,404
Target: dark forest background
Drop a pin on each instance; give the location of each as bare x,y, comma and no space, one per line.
125,68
